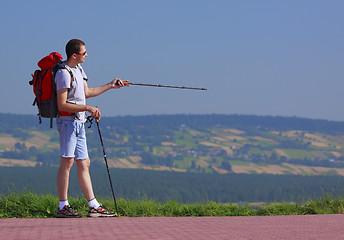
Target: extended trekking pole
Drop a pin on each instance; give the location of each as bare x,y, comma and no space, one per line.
106,163
166,86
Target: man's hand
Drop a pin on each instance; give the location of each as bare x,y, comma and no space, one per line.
118,83
95,113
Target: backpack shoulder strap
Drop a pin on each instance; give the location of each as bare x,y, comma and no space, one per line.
70,72
81,70
62,65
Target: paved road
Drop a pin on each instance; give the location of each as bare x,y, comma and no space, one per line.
275,227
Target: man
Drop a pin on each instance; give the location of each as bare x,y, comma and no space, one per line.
71,100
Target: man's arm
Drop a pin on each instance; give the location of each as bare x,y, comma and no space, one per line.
115,84
64,106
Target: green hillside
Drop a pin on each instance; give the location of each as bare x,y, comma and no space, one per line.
189,143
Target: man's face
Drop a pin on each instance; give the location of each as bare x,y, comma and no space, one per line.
81,55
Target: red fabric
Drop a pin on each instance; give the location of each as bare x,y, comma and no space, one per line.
49,61
44,87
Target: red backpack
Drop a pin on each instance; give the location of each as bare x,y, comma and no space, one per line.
44,86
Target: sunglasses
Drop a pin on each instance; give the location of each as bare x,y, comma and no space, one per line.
83,54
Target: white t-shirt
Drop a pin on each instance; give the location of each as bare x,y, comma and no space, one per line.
76,94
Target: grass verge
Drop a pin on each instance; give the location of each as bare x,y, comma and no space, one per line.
29,205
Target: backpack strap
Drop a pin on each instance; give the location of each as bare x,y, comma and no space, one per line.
61,65
81,70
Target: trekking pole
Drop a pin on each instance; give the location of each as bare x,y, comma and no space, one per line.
106,163
166,86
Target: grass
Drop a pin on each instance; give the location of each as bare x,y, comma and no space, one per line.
29,205
300,153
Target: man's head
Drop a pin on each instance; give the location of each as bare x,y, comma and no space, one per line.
75,48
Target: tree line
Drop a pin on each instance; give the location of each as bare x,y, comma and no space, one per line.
163,186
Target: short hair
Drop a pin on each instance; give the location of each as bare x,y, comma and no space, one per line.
73,46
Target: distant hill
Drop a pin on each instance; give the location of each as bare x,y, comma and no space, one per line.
189,143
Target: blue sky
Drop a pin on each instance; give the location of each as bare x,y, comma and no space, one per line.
266,57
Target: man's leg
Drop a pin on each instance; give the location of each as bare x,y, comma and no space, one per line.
62,185
63,177
96,209
85,178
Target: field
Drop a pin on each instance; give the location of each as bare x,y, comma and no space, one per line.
285,168
230,141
